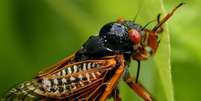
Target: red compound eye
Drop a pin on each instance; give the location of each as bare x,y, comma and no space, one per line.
134,36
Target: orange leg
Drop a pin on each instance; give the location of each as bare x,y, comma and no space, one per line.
162,21
113,82
138,88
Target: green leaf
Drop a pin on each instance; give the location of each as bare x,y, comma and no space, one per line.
156,72
163,65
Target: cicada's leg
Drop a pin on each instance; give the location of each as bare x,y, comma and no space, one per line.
160,29
115,95
167,16
138,88
152,41
112,83
114,80
138,72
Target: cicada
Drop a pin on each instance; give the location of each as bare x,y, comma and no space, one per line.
94,71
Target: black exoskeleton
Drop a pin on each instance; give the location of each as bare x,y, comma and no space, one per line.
113,38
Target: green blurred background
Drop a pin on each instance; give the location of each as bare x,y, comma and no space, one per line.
36,33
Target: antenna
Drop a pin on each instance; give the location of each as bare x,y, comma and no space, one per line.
138,11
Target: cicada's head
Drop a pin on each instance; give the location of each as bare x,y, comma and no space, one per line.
124,36
128,37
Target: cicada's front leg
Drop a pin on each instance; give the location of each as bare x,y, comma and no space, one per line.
138,88
150,42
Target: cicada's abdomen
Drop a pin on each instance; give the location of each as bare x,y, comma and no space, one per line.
25,91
